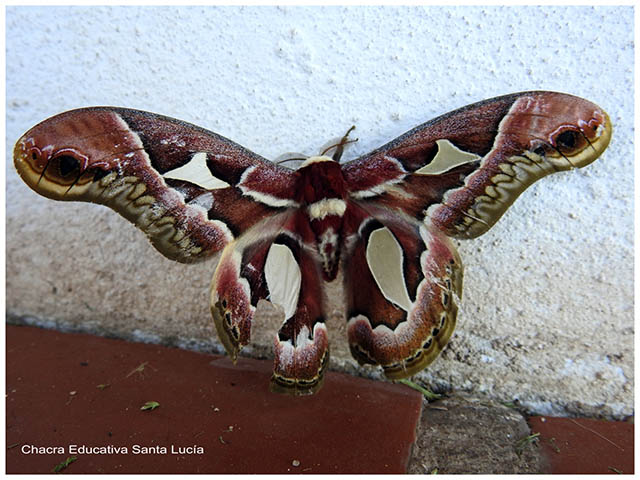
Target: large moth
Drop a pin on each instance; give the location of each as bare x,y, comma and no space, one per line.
385,218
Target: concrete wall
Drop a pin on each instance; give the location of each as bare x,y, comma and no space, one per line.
547,313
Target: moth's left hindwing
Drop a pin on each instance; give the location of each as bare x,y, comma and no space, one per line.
271,262
190,190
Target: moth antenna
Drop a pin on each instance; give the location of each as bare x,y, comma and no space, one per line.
293,159
340,145
290,157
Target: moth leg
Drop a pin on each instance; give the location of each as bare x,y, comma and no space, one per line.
402,282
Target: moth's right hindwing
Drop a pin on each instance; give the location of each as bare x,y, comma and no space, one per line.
402,282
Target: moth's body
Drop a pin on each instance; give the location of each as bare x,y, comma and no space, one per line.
385,218
322,196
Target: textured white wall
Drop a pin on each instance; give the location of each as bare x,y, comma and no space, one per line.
547,313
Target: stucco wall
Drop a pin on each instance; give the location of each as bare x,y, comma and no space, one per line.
547,311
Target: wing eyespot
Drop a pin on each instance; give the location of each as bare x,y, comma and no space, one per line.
67,165
227,318
567,139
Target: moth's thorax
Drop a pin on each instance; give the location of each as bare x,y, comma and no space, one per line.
320,178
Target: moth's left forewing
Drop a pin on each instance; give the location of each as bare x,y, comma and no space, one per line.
461,171
542,133
190,190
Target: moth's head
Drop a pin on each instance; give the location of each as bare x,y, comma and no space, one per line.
569,134
59,158
335,148
316,160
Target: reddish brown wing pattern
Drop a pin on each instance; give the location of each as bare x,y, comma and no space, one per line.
462,170
384,217
456,175
277,264
134,162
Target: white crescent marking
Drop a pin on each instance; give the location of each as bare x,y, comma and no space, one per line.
384,257
283,276
197,172
449,156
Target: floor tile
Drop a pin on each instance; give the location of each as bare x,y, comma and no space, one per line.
584,445
67,389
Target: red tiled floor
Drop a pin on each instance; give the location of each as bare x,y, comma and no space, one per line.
351,426
584,445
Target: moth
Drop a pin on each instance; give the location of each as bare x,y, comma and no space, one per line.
385,218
